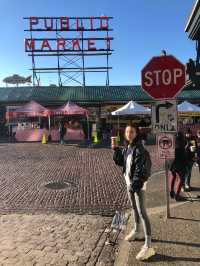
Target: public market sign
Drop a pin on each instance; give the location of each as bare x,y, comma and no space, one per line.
163,77
68,25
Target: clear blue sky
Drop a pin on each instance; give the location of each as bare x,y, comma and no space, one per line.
142,28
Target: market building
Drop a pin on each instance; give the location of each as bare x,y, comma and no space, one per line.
193,23
193,30
100,101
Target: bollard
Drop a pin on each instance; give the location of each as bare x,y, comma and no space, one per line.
44,138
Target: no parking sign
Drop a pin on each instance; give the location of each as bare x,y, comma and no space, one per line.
166,146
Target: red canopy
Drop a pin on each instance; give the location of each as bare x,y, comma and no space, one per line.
70,108
31,109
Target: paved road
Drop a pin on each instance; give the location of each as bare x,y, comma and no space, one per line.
93,182
48,237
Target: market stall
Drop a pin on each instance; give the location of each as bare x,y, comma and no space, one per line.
70,114
31,121
131,109
188,109
188,117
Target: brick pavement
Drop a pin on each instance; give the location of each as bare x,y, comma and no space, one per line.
95,182
51,239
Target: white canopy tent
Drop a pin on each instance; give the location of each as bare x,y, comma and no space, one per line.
188,107
132,108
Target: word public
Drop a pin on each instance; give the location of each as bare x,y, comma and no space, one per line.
68,24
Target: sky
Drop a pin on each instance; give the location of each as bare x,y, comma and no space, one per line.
142,28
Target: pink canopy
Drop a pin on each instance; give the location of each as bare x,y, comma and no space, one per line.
31,109
70,108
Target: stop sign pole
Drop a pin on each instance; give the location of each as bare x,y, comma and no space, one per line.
163,77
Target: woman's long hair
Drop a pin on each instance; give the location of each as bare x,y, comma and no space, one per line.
138,136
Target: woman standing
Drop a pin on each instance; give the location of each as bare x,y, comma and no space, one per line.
132,159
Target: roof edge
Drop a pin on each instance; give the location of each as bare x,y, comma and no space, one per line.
192,14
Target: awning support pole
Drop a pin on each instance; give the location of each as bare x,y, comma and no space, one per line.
118,128
88,126
49,118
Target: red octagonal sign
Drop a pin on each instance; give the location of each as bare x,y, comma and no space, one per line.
163,77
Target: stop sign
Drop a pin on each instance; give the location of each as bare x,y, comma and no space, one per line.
163,77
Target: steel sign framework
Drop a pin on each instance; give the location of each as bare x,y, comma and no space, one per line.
69,40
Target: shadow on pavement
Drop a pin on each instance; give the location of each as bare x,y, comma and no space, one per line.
193,198
196,189
160,257
185,219
197,245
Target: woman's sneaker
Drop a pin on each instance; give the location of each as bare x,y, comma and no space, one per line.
187,188
183,189
145,253
133,235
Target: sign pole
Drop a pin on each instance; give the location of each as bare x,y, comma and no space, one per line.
165,143
167,188
8,123
163,77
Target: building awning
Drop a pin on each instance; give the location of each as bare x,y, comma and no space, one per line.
193,24
47,95
60,95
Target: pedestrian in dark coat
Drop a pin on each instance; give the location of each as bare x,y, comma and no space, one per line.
179,166
198,148
62,131
190,148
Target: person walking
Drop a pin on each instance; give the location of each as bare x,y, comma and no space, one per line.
62,131
191,155
198,148
134,160
179,167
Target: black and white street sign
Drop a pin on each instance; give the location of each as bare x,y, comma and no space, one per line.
164,116
166,146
